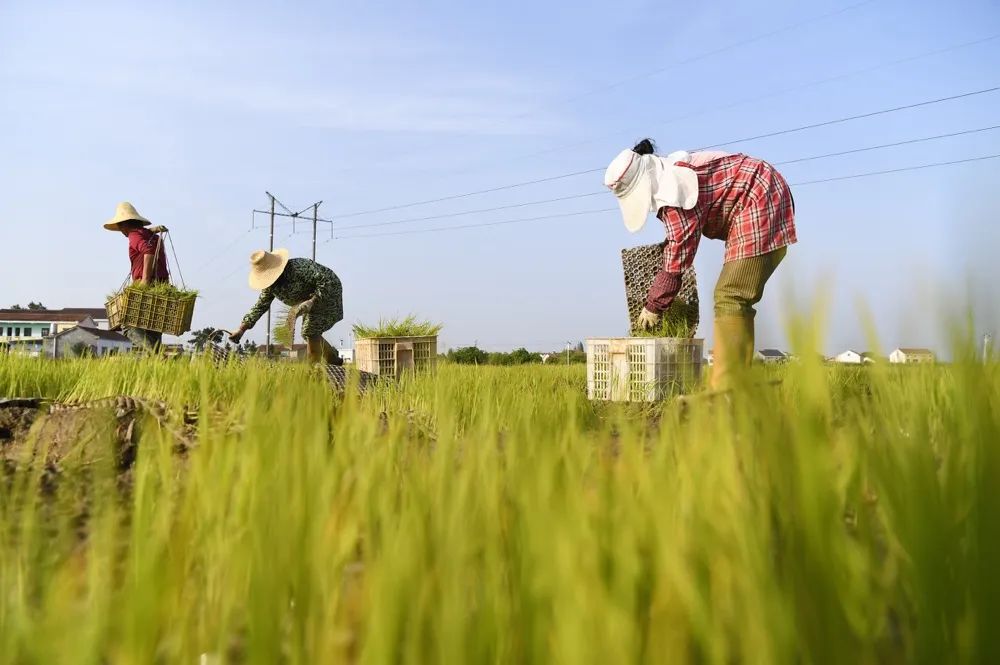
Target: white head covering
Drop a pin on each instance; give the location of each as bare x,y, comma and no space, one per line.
646,183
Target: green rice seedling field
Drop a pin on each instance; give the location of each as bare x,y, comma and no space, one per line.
493,515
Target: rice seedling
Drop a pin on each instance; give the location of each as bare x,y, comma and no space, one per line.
493,514
284,331
165,289
409,326
675,322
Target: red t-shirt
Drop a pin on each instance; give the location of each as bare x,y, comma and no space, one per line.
142,242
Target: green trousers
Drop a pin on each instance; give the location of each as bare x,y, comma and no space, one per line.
740,287
741,283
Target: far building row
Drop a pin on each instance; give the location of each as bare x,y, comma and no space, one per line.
60,332
900,356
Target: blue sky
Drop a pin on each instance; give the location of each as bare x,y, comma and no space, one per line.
192,110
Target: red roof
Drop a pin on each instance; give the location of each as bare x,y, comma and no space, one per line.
65,314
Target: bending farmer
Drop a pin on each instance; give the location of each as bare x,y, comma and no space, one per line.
302,283
732,197
148,260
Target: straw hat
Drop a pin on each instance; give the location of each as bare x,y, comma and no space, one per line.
266,267
125,212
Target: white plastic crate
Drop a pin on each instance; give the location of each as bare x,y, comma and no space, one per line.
391,356
642,369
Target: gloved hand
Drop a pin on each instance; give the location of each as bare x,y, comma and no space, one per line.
302,308
235,337
647,320
157,229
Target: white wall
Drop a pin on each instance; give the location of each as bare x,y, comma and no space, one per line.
848,357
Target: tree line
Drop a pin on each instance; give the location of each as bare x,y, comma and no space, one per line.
473,355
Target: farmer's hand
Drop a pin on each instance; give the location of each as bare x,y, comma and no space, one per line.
236,336
157,229
304,307
647,320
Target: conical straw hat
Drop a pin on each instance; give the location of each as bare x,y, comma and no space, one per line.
125,212
266,267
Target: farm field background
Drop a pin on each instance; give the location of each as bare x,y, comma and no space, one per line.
492,514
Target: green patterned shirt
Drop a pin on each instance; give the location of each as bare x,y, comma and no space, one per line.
301,280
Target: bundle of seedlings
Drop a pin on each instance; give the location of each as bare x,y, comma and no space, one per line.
409,326
161,307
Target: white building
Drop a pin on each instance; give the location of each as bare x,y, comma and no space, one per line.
770,356
25,330
848,357
910,356
95,341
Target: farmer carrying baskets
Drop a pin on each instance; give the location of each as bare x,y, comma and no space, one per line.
739,199
147,258
312,289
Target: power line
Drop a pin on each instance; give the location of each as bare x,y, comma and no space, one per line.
708,54
605,210
567,198
293,216
473,212
677,63
479,225
731,142
579,196
860,116
241,236
886,145
899,170
776,93
466,194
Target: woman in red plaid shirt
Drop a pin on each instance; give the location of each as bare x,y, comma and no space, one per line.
739,199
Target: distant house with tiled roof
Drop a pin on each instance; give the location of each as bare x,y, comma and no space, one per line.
848,357
770,356
911,356
95,341
26,329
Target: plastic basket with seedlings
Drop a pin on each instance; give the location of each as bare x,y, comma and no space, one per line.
394,346
649,365
161,307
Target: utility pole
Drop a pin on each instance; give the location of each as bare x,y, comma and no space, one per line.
316,219
270,248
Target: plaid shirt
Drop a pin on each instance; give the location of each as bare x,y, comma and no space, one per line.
741,200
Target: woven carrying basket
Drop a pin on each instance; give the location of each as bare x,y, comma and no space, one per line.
641,264
133,307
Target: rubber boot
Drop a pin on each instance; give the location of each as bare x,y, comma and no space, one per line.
733,350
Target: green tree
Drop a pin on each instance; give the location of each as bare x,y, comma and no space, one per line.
469,355
200,338
499,358
524,357
16,308
36,306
